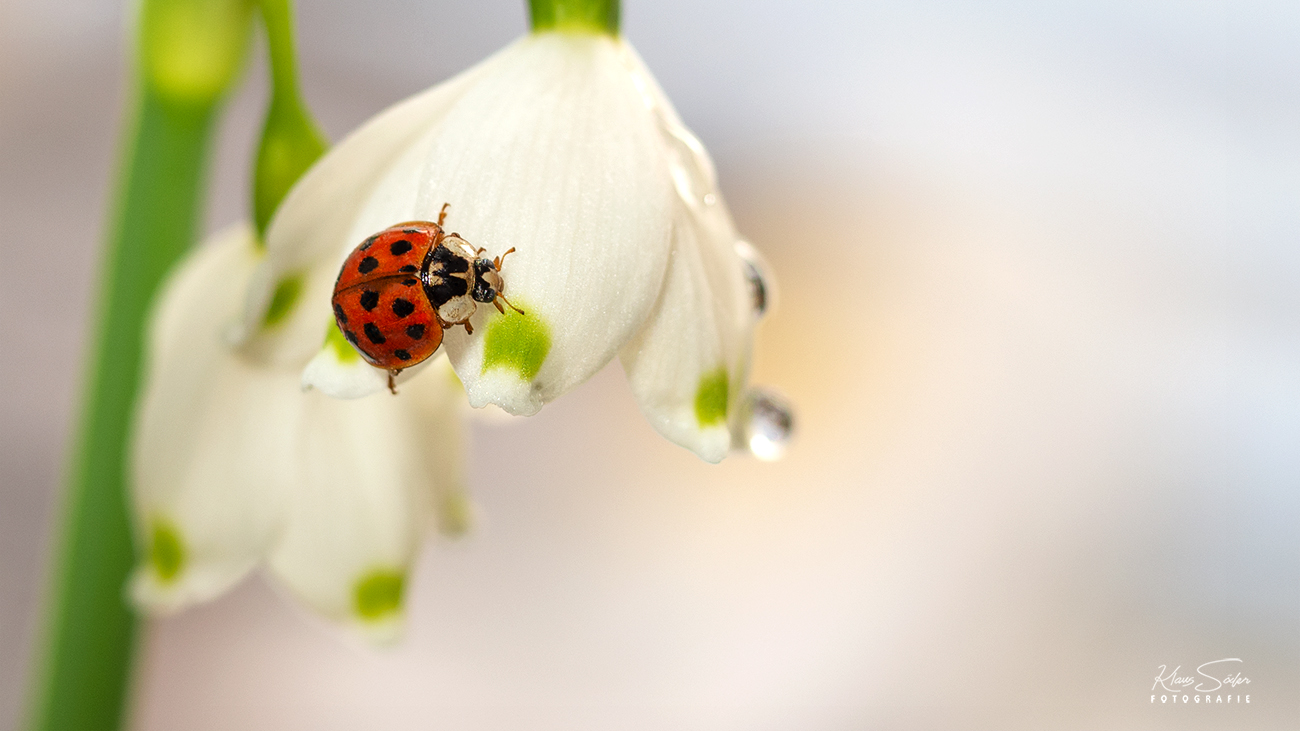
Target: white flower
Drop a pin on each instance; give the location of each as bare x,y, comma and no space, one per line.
234,466
563,147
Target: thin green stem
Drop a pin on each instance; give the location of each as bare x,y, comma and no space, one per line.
91,630
575,16
277,15
291,141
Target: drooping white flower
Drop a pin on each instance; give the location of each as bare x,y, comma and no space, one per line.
234,466
563,147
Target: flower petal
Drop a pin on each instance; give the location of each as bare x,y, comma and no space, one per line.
364,495
440,401
212,439
364,184
553,153
688,365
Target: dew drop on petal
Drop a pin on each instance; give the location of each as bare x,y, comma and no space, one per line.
766,424
689,165
762,289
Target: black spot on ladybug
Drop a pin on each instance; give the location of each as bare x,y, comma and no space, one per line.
373,334
339,314
409,269
368,265
415,332
400,247
351,336
402,354
370,241
369,299
402,307
409,282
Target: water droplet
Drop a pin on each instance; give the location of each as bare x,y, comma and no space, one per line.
691,169
762,287
688,163
767,424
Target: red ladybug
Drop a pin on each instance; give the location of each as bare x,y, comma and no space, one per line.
403,286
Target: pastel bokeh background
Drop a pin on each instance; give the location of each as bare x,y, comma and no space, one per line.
1039,311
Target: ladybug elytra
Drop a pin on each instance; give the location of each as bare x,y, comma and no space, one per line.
402,287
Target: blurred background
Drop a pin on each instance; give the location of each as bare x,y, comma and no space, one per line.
1039,313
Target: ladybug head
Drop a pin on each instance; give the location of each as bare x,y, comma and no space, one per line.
487,281
488,284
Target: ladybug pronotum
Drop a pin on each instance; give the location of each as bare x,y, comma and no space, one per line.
403,286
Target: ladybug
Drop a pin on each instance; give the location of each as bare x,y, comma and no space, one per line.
402,287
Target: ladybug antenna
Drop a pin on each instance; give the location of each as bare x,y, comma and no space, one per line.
498,261
442,215
502,297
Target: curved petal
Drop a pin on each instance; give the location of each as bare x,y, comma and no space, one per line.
688,365
332,209
212,437
363,496
553,154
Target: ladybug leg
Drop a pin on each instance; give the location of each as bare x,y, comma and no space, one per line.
500,309
442,215
392,385
469,329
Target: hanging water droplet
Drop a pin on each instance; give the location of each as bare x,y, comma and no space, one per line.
767,424
688,163
762,289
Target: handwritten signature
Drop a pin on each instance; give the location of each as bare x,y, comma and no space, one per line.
1171,681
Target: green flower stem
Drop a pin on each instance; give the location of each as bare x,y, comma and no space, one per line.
575,16
190,51
291,141
88,655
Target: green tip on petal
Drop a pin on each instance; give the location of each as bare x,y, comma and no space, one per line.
378,594
518,343
166,551
286,295
711,398
456,516
343,350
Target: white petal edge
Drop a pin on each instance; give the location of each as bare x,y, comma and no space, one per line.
211,440
337,370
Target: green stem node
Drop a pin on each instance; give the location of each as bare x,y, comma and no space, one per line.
575,16
291,141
